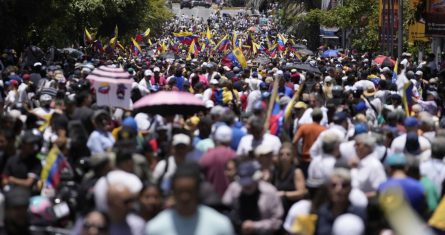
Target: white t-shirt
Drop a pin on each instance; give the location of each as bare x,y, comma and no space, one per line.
369,174
246,145
160,169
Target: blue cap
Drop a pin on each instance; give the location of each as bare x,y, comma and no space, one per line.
411,122
264,85
360,128
396,159
340,117
246,173
361,106
130,122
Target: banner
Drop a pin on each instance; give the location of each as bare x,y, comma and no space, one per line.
113,92
435,17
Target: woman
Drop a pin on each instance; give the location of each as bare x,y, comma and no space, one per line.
150,201
288,178
95,223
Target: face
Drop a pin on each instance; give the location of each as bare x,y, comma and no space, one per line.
313,102
285,157
185,192
94,224
230,170
151,199
361,149
339,190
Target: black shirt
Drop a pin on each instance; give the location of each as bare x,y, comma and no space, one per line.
23,168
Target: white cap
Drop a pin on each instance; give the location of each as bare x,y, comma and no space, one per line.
328,79
348,224
209,104
226,68
156,69
148,73
214,81
37,64
223,134
181,139
386,69
217,110
142,121
419,73
263,149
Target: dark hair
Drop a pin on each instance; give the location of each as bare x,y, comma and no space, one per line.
81,97
146,185
188,170
123,155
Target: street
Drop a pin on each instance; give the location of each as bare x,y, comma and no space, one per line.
201,11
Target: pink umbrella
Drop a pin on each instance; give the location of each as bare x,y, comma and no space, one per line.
384,61
170,103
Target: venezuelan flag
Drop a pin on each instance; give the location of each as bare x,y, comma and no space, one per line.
281,42
136,46
224,44
185,37
240,57
54,164
114,38
87,37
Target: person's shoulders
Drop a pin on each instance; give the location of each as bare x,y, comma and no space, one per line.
212,216
160,224
268,137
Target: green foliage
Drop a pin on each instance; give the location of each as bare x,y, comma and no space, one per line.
62,22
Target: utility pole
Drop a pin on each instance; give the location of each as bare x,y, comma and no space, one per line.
400,33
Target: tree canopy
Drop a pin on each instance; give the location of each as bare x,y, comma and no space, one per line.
62,22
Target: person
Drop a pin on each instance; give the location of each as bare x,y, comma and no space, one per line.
398,178
288,177
368,172
188,216
16,204
150,201
264,155
83,111
145,84
120,202
24,168
101,139
165,168
434,168
309,133
213,162
256,206
256,137
95,223
399,144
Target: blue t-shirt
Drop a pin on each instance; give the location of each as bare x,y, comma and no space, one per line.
237,134
180,83
206,221
412,189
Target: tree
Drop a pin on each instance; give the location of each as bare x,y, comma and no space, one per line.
62,22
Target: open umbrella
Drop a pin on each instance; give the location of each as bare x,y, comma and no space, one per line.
73,52
170,103
306,67
384,61
305,52
330,53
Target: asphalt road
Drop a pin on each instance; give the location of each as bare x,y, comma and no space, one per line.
200,11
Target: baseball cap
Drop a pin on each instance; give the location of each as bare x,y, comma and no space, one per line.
419,73
284,100
300,105
396,159
340,117
148,72
361,106
360,128
263,149
223,134
156,69
248,173
411,122
131,123
181,139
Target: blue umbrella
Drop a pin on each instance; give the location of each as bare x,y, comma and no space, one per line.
330,53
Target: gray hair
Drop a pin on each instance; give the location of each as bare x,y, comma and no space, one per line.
367,139
342,173
329,141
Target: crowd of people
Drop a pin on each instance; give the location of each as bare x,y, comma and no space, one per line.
335,147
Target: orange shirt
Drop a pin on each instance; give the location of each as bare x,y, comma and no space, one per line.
309,133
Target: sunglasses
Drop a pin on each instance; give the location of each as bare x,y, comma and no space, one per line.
101,228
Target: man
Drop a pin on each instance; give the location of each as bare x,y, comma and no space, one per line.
165,168
368,173
16,202
83,111
314,102
215,160
145,83
120,204
256,137
256,206
398,145
101,139
322,166
412,188
24,168
340,126
188,216
309,133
